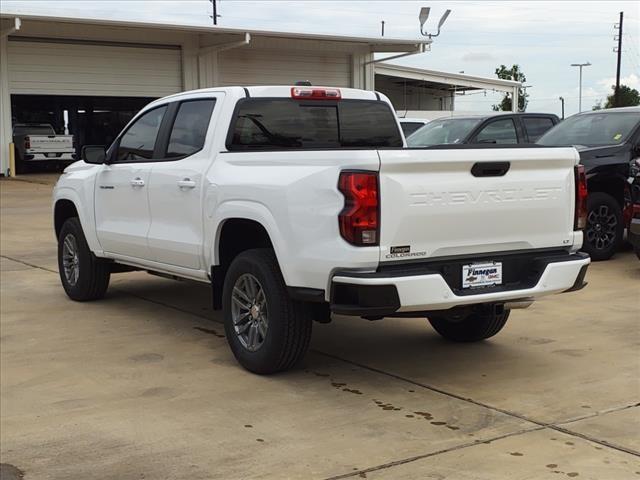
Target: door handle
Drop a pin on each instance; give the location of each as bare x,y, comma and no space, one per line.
490,169
137,182
186,183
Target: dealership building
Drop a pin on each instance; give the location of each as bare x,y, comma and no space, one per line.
89,77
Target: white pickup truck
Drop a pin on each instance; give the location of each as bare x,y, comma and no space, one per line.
294,203
38,142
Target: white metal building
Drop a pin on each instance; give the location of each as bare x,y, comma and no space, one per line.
51,64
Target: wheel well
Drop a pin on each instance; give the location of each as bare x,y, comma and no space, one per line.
613,186
64,210
236,236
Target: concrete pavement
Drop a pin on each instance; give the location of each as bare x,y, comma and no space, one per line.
143,385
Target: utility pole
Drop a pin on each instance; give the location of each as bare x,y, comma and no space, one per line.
215,12
562,101
616,94
580,65
382,22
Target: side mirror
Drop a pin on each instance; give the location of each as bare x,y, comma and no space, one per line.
95,154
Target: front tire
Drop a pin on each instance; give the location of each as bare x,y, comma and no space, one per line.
604,229
84,276
472,327
267,331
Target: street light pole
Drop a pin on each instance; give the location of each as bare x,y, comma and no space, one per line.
580,65
562,101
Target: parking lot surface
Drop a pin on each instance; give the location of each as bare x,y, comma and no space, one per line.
143,385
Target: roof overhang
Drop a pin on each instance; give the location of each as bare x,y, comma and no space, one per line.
454,81
373,44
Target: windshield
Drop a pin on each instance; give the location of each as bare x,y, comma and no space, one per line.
441,132
33,130
592,130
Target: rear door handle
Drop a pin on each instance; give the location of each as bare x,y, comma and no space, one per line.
137,182
186,183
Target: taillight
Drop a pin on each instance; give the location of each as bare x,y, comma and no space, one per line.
27,142
311,93
360,218
580,220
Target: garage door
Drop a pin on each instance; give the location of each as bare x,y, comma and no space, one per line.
277,67
88,69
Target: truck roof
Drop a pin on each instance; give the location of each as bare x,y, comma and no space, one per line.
483,116
280,91
612,110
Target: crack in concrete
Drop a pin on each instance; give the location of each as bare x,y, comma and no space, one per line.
551,426
415,458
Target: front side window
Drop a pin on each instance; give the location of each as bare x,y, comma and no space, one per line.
138,142
190,128
498,131
283,123
536,126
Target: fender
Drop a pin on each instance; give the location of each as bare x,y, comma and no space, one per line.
86,215
248,210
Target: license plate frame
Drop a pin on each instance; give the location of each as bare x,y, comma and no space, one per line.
481,274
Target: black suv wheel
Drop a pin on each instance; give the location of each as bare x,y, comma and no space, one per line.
604,229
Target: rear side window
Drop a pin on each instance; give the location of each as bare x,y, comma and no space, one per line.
498,131
138,142
536,126
283,123
190,128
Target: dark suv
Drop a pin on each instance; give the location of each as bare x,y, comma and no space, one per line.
607,141
498,128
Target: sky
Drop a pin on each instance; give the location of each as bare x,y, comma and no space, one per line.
544,38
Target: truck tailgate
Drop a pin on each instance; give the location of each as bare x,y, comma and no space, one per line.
50,144
432,205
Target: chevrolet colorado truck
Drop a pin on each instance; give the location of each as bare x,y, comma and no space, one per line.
296,203
38,142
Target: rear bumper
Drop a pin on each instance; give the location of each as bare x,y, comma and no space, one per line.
432,286
43,157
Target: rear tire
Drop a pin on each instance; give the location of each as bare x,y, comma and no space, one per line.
604,230
84,276
473,327
267,331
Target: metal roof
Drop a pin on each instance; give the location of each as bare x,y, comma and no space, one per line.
432,76
384,43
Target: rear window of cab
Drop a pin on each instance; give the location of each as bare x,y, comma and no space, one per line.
292,124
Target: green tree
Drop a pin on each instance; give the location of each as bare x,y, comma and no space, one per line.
513,73
629,97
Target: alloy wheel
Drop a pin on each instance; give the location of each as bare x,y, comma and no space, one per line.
70,259
249,312
601,227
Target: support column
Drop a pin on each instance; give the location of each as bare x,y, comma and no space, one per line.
514,103
190,67
362,73
5,108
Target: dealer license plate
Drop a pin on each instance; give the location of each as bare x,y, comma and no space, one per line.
481,274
